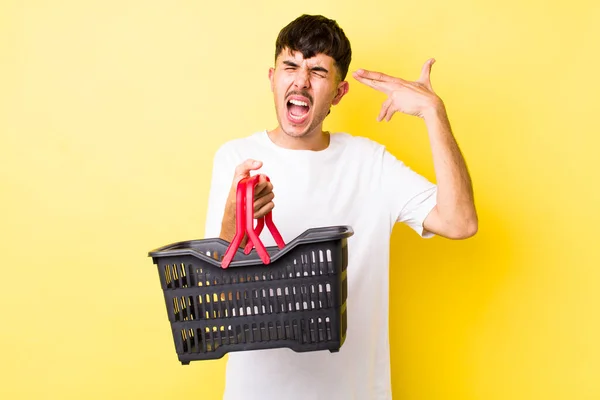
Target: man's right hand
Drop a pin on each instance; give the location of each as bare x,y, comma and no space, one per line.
263,198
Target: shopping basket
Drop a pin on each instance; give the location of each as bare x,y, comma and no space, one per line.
221,298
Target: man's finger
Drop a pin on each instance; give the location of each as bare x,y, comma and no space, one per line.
260,185
377,85
389,113
374,76
264,210
425,77
262,189
384,109
369,82
243,170
263,201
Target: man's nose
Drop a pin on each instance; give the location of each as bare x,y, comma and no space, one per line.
302,80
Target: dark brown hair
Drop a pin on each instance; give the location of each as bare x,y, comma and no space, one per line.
315,34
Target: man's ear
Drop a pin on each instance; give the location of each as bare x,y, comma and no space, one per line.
271,73
342,89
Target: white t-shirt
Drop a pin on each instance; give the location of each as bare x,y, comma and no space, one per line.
354,182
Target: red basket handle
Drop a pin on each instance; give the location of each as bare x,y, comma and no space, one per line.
245,224
268,218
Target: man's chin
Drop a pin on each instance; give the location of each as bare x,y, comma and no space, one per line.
295,130
296,133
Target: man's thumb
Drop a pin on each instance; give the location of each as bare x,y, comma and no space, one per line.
244,168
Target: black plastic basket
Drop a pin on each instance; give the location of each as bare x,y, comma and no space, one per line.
292,296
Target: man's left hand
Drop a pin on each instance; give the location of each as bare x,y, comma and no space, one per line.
413,98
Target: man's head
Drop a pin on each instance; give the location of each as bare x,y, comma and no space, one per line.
315,34
312,56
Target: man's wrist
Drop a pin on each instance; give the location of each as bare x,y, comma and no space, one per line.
435,111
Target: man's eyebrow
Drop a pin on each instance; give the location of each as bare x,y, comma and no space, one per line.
316,68
320,69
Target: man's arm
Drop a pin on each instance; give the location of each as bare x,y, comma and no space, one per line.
454,215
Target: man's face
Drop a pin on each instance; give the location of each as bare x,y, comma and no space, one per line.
304,90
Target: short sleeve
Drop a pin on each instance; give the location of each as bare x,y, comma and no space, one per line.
222,174
411,196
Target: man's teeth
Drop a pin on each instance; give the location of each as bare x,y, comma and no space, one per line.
299,103
297,116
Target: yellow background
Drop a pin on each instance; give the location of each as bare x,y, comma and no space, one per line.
110,112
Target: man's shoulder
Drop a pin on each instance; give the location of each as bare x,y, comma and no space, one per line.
254,137
240,143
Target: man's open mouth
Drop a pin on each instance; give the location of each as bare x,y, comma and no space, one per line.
298,109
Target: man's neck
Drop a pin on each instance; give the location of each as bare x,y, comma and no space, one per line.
315,141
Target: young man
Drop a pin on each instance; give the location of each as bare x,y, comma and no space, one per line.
324,179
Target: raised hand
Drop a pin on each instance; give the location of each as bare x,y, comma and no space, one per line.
408,97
